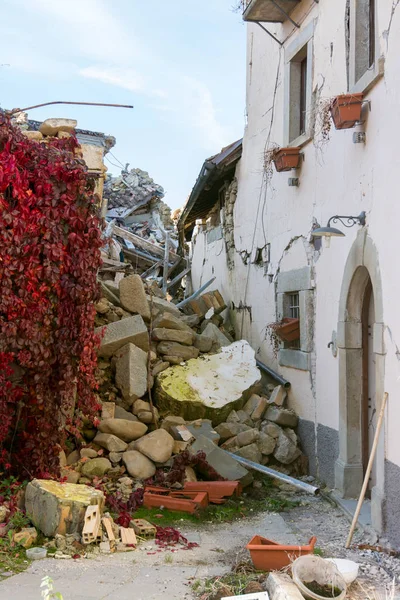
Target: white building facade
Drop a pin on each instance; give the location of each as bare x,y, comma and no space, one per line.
345,290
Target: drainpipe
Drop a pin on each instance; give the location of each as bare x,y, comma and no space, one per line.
284,382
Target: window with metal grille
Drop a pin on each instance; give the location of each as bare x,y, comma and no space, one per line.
294,306
293,311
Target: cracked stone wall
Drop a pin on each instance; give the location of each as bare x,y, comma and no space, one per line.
336,177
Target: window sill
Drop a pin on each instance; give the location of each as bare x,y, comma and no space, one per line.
370,78
301,140
294,359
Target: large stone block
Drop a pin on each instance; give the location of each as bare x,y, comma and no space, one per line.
281,416
124,429
53,126
286,451
96,467
131,372
138,465
278,396
131,330
175,349
209,387
161,306
223,463
157,445
170,321
162,334
219,339
110,442
59,507
133,296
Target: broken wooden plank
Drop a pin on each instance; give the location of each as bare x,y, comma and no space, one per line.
128,536
142,243
114,263
91,524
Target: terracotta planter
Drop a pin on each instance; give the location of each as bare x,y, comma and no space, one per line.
271,556
288,329
346,110
286,159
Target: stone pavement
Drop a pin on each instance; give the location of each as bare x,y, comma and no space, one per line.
141,575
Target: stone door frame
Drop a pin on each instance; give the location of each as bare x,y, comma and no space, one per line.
361,267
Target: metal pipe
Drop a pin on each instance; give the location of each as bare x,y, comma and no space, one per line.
193,296
286,384
17,110
301,485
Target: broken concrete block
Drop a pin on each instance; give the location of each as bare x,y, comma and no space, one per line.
53,126
281,587
220,340
286,452
266,443
260,409
251,452
133,296
123,429
59,507
131,372
282,416
252,404
157,445
132,330
209,387
138,465
121,413
244,418
228,430
96,467
202,427
181,433
278,396
223,463
161,334
110,442
245,438
175,349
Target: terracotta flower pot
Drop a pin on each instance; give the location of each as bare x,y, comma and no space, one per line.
288,329
346,110
271,556
286,159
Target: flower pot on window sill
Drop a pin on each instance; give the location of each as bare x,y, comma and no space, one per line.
346,110
286,159
288,329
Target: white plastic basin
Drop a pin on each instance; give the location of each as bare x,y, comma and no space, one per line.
347,568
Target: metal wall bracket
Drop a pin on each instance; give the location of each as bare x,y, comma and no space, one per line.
269,33
283,11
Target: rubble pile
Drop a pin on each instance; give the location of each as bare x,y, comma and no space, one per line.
171,381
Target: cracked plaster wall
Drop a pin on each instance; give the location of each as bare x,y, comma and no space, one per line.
337,177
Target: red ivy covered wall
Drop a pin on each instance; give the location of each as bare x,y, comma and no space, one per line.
50,239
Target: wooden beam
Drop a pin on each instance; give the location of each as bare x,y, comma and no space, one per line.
142,243
179,277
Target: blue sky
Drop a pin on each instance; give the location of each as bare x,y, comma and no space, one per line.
181,63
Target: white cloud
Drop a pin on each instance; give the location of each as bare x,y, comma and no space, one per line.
120,77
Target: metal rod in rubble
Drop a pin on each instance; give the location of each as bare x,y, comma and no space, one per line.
301,485
199,291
